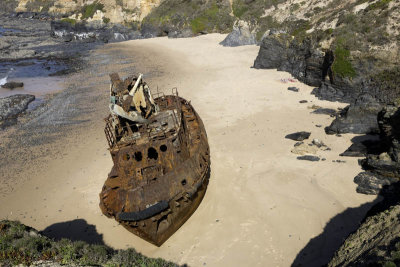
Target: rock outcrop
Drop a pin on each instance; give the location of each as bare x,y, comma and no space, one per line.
383,169
12,85
359,118
240,35
332,51
280,51
85,31
11,107
375,243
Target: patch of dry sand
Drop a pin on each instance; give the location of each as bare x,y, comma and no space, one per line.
262,205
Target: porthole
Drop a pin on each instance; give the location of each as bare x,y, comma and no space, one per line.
138,156
152,153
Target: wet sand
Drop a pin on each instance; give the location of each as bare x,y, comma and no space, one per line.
262,205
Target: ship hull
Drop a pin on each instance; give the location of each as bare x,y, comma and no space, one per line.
155,210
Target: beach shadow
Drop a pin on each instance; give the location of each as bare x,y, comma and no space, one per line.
76,230
363,145
320,250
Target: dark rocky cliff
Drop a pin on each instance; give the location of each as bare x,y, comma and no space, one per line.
355,61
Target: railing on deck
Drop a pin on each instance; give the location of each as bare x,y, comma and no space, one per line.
164,103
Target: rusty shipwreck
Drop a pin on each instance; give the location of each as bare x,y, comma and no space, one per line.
161,160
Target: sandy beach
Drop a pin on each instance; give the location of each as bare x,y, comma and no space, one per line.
263,207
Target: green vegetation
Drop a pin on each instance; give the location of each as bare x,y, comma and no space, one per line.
392,258
106,20
299,29
239,8
295,7
388,81
266,23
89,10
389,264
20,244
252,11
381,4
205,20
199,16
39,5
342,65
68,20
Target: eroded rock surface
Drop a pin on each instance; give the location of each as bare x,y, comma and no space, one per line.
11,107
375,243
359,118
298,136
12,85
240,35
384,168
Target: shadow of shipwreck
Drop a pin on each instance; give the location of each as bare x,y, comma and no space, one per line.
75,230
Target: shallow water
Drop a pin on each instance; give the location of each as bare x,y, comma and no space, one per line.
3,30
35,76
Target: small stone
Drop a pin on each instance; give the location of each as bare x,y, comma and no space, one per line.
318,125
323,159
303,101
318,143
385,157
324,111
294,89
298,144
309,158
33,233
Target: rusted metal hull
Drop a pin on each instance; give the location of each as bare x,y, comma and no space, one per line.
154,194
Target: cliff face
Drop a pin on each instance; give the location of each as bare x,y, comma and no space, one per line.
114,11
344,48
375,243
349,50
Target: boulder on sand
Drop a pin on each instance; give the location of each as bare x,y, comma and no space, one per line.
240,35
298,136
12,85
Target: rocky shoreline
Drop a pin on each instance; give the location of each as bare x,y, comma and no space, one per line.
368,105
372,93
29,48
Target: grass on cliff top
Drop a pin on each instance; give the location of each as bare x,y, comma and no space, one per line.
69,21
20,244
380,4
210,19
89,10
